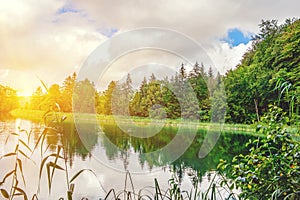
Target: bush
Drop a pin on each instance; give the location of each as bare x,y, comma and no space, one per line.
271,168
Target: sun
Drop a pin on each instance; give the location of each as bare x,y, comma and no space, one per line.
24,83
24,93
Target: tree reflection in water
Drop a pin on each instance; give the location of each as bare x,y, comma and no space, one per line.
228,145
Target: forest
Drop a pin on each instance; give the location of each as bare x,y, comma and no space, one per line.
264,89
268,73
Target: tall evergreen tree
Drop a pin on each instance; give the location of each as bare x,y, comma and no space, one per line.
67,92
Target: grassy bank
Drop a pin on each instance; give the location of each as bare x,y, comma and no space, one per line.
38,115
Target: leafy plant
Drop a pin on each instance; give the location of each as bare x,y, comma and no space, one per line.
57,161
291,93
16,175
50,162
271,170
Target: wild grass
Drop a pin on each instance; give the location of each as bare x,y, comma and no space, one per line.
37,115
50,162
14,174
53,162
217,189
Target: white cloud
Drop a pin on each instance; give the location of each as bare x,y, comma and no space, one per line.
200,19
35,38
225,56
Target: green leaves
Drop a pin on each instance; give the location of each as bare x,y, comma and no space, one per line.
268,73
80,172
272,165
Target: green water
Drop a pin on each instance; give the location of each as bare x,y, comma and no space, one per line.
229,143
110,151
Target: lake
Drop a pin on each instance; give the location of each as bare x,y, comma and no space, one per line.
109,151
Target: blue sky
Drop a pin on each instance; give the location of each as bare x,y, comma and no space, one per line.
68,8
108,32
236,37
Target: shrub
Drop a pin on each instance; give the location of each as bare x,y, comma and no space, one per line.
271,168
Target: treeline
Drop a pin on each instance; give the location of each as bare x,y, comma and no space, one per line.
186,94
269,73
8,99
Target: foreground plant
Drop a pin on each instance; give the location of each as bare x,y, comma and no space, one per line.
13,183
57,161
16,174
271,169
216,189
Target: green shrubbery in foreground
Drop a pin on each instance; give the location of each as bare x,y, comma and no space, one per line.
271,169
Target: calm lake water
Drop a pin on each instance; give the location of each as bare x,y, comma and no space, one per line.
109,153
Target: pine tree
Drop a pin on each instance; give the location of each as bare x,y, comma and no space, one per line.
67,92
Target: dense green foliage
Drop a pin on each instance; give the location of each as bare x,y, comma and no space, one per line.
160,98
183,95
173,95
56,94
61,97
271,169
269,72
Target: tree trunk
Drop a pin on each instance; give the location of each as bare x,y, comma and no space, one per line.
256,109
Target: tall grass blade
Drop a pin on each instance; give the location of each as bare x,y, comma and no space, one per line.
49,177
42,166
25,145
6,140
14,186
46,88
6,176
39,138
78,173
8,155
56,166
213,192
46,115
34,197
195,195
55,161
17,148
157,190
109,192
23,154
14,134
21,170
130,179
29,135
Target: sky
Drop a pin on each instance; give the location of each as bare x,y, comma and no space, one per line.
50,39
